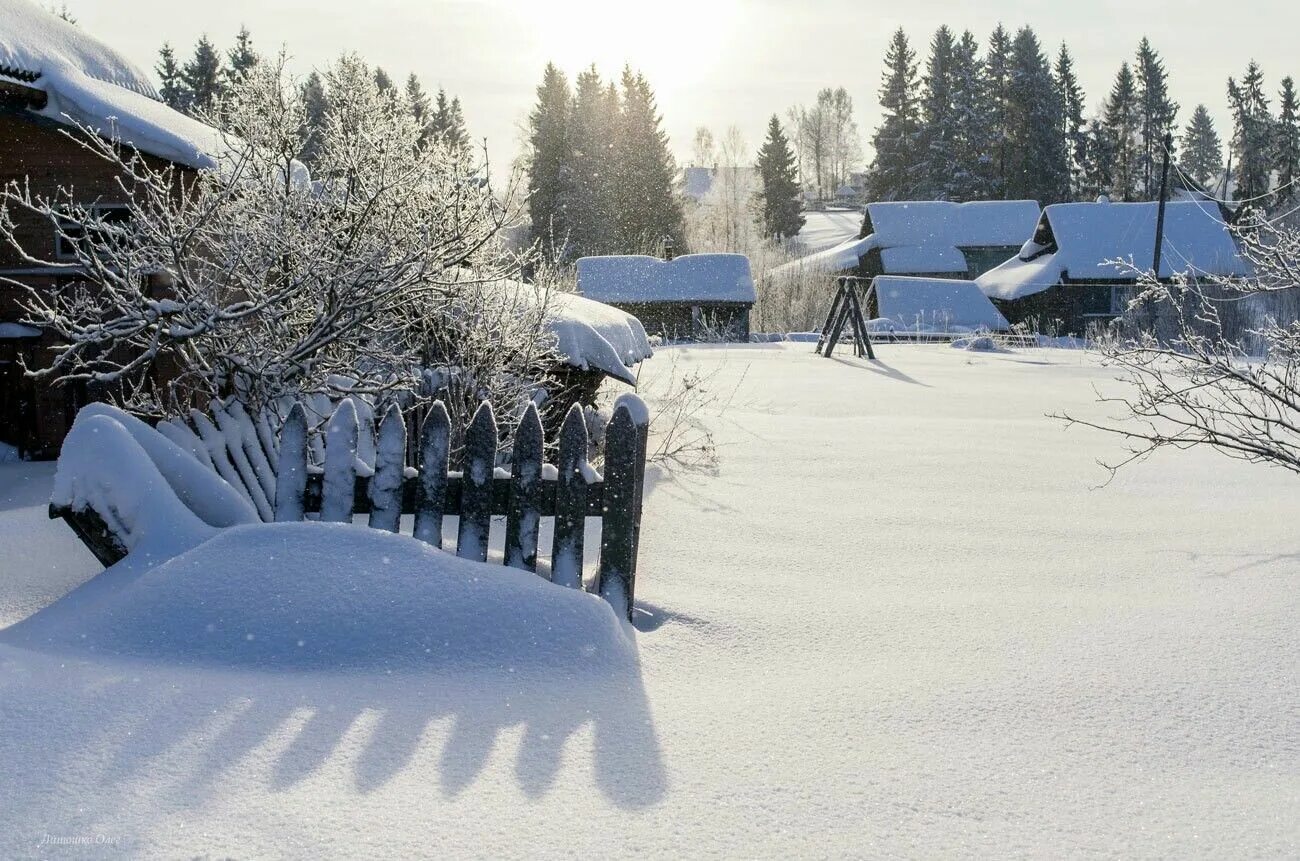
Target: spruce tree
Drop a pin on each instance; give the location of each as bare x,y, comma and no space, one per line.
591,195
417,102
203,77
384,83
997,76
172,90
1252,135
1037,167
778,202
1200,150
241,58
972,136
549,159
1099,162
648,211
1073,127
938,145
448,123
316,105
1157,113
897,139
1121,121
1286,148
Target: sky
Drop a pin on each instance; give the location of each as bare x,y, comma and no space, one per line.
714,63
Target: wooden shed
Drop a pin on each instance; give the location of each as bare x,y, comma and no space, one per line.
695,297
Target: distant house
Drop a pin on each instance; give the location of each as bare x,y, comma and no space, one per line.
932,239
1067,271
692,297
56,79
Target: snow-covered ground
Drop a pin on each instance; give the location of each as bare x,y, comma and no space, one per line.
900,621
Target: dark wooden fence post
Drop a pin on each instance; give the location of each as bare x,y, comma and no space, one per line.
390,460
641,418
618,512
291,483
431,492
339,494
523,516
570,502
476,485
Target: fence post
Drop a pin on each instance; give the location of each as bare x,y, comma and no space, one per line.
339,492
291,482
641,418
431,493
570,502
476,485
386,484
618,510
524,516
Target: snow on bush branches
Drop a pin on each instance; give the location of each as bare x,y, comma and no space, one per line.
258,280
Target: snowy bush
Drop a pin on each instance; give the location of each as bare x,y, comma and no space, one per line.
256,280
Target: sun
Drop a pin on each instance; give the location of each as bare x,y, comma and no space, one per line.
674,42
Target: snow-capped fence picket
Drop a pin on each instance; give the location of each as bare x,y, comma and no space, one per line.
289,476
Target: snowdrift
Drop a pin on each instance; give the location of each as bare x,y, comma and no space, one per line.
314,596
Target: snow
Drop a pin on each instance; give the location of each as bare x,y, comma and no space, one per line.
925,237
18,330
1091,236
901,620
824,229
88,84
690,278
948,305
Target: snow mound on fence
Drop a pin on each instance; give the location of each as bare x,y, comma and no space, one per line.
316,596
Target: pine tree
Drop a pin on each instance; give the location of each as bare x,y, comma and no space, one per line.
549,158
417,102
937,170
591,195
1121,121
1073,126
1252,134
1157,114
778,202
1286,148
241,58
172,90
997,76
972,137
203,77
1037,166
1200,150
648,209
447,125
316,106
897,139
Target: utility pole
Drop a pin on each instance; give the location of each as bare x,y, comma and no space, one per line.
1160,210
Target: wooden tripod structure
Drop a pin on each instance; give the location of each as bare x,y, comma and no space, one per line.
851,292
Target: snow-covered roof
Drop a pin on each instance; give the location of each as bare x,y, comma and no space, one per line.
690,278
830,227
89,84
936,304
1082,241
926,236
13,331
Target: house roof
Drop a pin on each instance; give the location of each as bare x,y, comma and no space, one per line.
1083,241
926,236
88,84
690,278
935,304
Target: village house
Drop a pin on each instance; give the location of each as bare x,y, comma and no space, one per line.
1081,266
694,297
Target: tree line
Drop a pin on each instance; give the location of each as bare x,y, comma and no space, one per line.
197,86
1008,121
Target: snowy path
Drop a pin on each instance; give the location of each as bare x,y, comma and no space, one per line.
898,622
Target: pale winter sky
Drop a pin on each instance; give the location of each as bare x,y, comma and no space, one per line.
711,62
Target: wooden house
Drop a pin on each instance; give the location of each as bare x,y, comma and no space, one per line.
57,82
694,297
1067,273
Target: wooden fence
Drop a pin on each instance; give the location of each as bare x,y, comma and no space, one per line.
275,472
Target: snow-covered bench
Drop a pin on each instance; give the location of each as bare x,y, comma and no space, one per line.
122,485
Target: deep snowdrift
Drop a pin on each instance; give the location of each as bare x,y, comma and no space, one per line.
330,597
